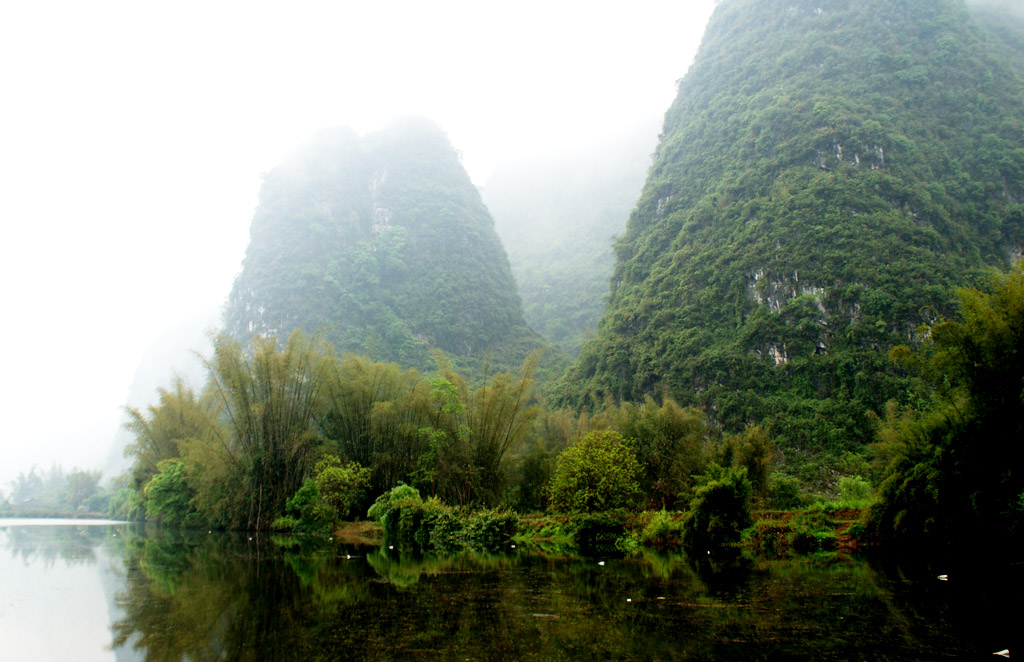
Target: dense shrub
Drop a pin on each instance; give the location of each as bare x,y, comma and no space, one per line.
784,492
391,508
168,496
662,532
306,512
720,510
597,473
490,529
323,500
414,524
854,490
340,485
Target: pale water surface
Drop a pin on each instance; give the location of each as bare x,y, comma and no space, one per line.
113,591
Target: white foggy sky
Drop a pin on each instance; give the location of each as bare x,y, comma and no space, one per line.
133,136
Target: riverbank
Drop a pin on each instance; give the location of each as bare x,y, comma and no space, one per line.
774,534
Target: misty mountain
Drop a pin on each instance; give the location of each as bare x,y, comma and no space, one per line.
827,175
383,245
557,218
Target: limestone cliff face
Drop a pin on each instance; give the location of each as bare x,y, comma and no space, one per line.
827,174
383,245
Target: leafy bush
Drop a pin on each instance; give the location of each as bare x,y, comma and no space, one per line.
662,532
412,523
284,523
597,473
720,510
168,496
394,510
308,512
854,490
340,485
490,529
784,492
323,500
769,537
127,504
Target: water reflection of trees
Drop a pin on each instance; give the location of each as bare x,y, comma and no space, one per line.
217,597
204,597
73,545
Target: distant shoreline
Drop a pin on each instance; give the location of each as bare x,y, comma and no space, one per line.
44,515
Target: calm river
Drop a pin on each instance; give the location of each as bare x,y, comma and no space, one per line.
104,591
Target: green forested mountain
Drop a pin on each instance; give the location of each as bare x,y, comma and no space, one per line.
557,218
827,174
383,245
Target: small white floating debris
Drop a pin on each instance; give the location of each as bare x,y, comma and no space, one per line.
661,597
250,538
513,546
347,556
943,578
629,599
331,538
1003,653
391,546
600,563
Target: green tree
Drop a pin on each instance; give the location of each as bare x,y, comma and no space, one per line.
169,497
756,453
671,444
271,398
305,511
597,473
80,486
954,472
339,485
372,414
179,415
720,509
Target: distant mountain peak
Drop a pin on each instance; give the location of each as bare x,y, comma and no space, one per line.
382,244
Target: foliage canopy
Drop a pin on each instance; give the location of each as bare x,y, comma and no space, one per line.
599,472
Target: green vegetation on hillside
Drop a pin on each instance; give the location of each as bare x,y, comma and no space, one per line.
828,173
382,245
